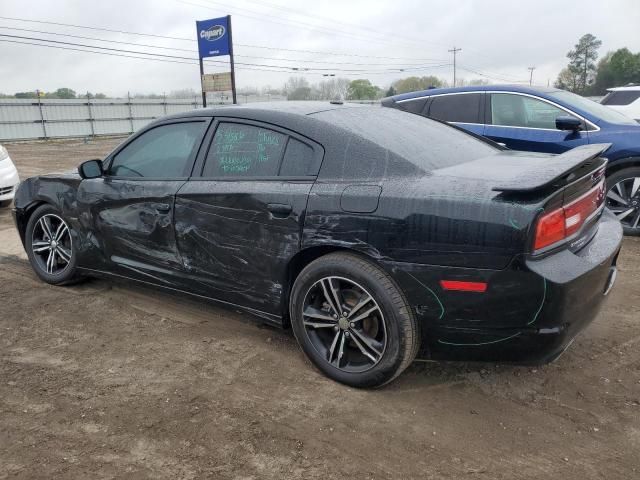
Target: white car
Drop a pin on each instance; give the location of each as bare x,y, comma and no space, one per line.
8,178
624,99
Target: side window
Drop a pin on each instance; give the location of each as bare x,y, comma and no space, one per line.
520,111
621,97
162,152
463,108
240,150
299,160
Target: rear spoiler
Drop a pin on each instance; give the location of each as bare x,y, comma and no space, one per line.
549,170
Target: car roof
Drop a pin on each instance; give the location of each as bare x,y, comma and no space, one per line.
476,88
622,89
281,107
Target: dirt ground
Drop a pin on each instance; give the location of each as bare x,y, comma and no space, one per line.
108,380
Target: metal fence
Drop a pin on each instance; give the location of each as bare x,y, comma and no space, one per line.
31,119
22,119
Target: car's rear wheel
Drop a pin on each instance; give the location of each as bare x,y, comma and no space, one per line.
623,198
50,248
352,320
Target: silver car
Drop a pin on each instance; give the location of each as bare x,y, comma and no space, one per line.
8,178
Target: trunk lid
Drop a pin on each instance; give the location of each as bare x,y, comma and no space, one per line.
528,172
567,191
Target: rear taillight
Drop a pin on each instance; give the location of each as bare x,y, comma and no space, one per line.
555,226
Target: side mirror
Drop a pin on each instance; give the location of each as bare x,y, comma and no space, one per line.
567,122
90,169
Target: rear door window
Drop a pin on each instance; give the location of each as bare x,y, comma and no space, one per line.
240,150
462,107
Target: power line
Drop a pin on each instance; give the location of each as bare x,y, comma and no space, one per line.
20,37
486,75
284,21
82,37
124,32
127,56
503,77
178,59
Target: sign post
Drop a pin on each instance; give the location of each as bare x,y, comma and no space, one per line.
214,40
233,70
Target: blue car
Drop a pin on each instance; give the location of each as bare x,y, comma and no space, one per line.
542,120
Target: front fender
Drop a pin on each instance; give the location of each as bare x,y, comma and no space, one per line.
35,191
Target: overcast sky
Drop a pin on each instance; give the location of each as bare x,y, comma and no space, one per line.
499,38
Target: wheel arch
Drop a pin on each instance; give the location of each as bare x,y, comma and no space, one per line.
24,214
622,163
303,258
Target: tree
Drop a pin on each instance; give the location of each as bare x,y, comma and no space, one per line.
333,89
362,90
568,79
391,92
582,65
63,93
26,95
616,69
297,88
474,82
183,93
411,84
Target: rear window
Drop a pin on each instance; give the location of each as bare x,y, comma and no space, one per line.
413,106
621,97
425,143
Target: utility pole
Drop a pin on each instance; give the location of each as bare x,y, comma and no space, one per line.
586,63
454,50
531,69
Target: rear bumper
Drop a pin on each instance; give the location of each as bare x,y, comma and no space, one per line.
531,312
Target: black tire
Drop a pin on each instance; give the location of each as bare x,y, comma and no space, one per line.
64,274
626,175
5,203
401,334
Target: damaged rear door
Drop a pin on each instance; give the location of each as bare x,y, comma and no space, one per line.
239,219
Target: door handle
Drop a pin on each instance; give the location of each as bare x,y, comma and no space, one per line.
161,207
279,209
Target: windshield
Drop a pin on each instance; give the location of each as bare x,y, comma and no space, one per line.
592,108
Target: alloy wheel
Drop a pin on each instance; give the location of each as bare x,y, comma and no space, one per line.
623,199
51,244
344,324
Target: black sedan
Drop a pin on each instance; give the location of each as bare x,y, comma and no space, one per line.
375,235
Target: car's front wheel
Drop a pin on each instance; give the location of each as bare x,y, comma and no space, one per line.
50,248
623,198
352,320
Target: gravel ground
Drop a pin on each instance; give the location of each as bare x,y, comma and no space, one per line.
112,380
